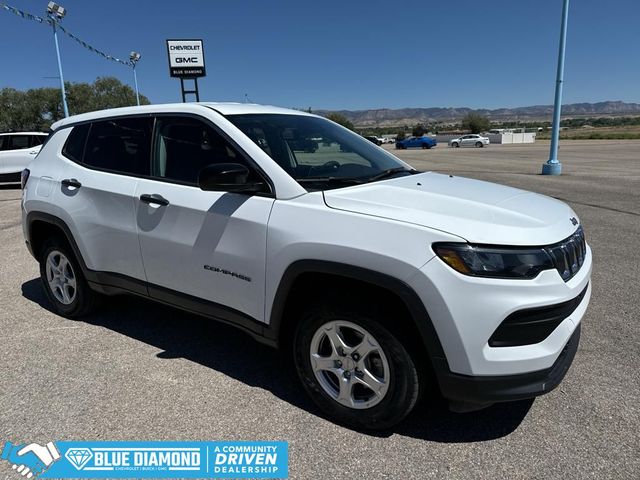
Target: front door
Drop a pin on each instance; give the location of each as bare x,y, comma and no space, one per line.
209,245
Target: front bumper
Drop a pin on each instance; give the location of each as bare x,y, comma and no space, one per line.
466,312
468,393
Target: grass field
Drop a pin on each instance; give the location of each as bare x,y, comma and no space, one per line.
623,132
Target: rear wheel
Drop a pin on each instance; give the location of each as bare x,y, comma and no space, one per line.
353,368
426,146
479,145
63,281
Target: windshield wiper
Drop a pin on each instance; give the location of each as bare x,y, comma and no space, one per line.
387,173
331,180
355,180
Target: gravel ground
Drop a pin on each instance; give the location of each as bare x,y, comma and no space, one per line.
137,371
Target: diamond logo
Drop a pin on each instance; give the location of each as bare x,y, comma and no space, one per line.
78,457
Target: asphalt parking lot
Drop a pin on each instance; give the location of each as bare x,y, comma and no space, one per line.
137,371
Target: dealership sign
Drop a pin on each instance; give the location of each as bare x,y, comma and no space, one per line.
154,459
186,58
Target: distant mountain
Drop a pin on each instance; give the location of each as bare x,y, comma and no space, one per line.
385,117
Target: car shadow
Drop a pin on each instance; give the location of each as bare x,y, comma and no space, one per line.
224,348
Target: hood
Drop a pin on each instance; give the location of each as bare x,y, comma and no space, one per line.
479,212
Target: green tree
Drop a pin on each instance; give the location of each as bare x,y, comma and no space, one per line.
36,109
419,130
340,119
401,134
475,122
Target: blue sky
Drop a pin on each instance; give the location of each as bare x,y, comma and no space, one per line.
347,54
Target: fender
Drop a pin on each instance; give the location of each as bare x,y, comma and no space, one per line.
52,220
406,294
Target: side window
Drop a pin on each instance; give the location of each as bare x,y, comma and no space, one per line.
183,146
120,145
36,140
4,142
19,141
74,146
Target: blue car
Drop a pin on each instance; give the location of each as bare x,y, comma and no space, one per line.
422,142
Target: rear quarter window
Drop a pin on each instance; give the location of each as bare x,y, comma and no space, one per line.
74,146
37,140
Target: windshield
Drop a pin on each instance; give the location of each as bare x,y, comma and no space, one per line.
318,153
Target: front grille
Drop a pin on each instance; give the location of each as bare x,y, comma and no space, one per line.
569,254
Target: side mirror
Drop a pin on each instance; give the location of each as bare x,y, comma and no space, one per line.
226,177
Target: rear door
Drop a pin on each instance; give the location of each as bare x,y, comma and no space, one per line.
18,152
209,245
103,161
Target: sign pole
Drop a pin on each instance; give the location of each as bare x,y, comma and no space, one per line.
553,165
135,81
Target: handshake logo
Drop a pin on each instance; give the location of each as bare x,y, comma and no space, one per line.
30,460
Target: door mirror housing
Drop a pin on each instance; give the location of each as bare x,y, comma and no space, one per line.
227,177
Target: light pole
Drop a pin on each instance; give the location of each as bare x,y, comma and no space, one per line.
55,12
134,57
553,165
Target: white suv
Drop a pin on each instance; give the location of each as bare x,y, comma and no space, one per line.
382,282
16,151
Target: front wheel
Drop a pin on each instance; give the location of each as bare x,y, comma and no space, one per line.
426,146
354,369
455,144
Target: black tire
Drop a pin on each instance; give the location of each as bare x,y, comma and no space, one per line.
455,144
84,300
426,146
479,145
403,385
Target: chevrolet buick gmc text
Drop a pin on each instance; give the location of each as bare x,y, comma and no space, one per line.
381,283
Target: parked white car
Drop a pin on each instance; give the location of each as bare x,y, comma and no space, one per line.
381,283
17,149
471,140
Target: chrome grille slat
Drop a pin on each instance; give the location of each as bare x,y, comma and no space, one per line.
568,256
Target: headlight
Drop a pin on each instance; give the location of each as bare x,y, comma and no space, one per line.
495,262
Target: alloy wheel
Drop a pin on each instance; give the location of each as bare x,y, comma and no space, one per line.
61,277
349,364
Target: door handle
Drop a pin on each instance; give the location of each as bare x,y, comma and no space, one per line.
71,182
154,198
33,153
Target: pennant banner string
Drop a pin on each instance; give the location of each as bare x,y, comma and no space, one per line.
49,21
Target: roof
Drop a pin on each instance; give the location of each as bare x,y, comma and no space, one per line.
24,133
224,108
